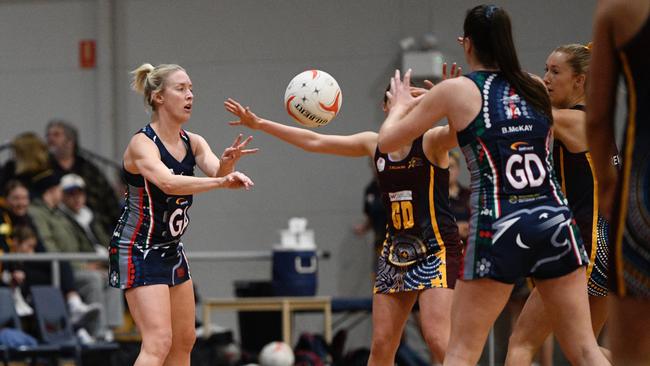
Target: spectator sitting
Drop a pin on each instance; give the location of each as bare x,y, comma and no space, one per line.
54,229
29,274
30,157
13,211
14,214
24,241
59,236
63,142
74,208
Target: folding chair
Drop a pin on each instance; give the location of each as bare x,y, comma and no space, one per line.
9,319
55,327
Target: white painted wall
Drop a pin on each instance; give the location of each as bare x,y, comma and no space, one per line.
39,67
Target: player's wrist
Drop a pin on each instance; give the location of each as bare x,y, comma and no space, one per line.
225,168
260,123
221,181
399,109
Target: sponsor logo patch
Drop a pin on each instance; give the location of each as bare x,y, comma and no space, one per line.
381,164
400,196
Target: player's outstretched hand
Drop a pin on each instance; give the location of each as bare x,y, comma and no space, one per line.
399,94
246,117
455,72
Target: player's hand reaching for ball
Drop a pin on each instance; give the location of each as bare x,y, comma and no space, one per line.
455,72
237,180
399,95
246,116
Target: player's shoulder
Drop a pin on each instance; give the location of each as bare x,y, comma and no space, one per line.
141,144
455,90
193,136
456,83
140,138
620,6
195,140
611,10
568,117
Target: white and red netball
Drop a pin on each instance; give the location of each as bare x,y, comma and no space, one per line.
276,354
313,98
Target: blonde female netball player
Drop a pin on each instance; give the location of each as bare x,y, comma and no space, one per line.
147,259
566,81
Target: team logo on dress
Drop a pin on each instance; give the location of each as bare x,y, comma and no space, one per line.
511,104
521,146
180,272
414,162
538,219
483,267
114,278
381,164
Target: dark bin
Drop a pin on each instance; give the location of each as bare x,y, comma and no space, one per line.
257,328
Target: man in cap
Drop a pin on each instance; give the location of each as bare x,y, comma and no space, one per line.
93,234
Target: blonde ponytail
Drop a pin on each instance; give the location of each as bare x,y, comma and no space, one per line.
140,77
148,80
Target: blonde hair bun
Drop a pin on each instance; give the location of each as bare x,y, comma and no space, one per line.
140,77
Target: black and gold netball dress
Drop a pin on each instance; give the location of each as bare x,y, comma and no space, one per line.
631,220
422,248
577,177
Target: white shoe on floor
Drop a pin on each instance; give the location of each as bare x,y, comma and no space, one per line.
84,337
22,307
108,336
80,312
